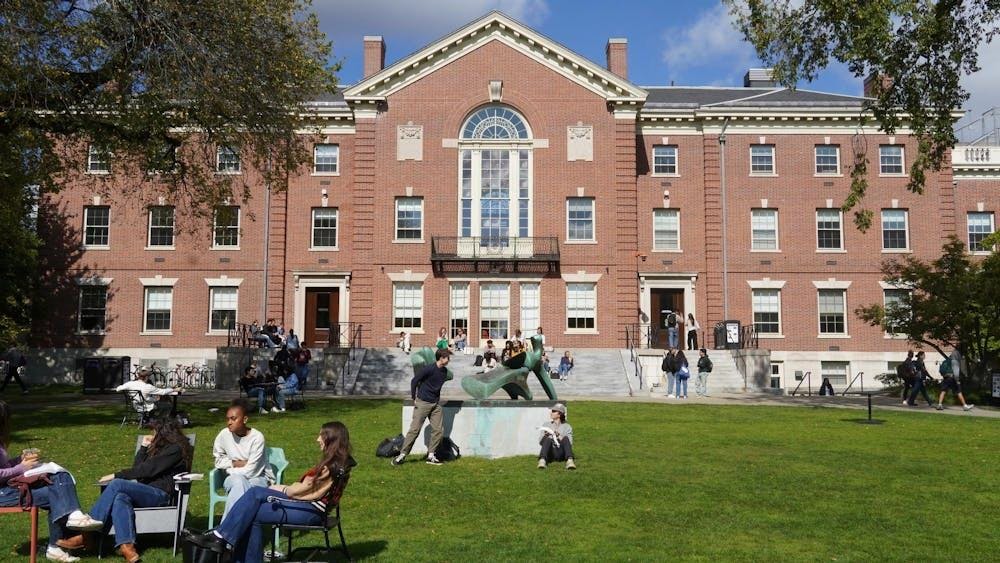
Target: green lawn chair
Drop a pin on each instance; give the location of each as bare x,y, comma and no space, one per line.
217,495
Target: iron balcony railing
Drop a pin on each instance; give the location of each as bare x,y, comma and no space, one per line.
495,248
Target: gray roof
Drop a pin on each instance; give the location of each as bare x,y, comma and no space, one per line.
688,97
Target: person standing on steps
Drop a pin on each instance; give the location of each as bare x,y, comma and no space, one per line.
704,368
671,323
951,370
692,332
425,390
669,367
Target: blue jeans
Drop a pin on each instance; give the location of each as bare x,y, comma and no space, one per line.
117,502
242,528
236,486
59,498
282,393
672,336
564,370
302,372
682,386
670,382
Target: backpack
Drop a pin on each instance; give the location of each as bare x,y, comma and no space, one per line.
447,450
671,320
708,364
945,368
903,373
390,447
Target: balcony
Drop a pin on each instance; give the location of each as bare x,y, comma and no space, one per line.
494,255
976,160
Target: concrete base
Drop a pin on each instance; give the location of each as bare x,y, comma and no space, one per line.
490,429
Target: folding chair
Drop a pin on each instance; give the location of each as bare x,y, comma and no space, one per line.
329,522
33,513
216,494
135,412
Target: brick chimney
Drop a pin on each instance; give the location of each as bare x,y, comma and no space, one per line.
872,81
374,60
617,52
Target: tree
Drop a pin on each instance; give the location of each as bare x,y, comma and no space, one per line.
158,84
952,302
920,48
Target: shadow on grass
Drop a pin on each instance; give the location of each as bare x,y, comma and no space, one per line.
359,550
872,421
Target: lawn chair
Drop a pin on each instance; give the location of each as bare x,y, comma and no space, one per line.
135,411
216,494
332,499
33,513
159,519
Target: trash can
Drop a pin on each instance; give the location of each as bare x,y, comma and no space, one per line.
102,374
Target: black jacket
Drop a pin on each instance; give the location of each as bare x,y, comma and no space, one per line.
427,384
157,470
669,363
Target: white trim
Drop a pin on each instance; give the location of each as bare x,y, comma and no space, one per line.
777,237
218,161
816,172
766,283
831,283
211,296
774,160
679,248
774,286
239,233
406,276
223,281
843,289
92,280
902,160
158,281
566,329
840,228
312,229
145,307
906,231
86,215
395,231
581,277
677,161
304,280
149,229
326,173
593,220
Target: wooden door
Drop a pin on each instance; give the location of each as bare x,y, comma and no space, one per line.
322,315
662,300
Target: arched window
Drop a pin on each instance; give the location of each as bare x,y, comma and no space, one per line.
494,179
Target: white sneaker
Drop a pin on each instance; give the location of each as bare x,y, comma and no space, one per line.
281,410
84,524
969,407
541,463
275,409
56,553
671,396
263,411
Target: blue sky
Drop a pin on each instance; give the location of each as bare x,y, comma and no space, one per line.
687,42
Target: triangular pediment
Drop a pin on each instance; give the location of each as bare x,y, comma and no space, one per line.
496,26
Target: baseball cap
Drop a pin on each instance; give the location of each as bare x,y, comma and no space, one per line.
559,407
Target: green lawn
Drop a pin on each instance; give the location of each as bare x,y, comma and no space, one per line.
656,482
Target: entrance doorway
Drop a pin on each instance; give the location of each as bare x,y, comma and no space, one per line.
322,315
662,300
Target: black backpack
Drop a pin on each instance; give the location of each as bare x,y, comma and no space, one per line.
904,373
390,447
447,450
671,320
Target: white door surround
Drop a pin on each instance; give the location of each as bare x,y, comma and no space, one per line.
303,280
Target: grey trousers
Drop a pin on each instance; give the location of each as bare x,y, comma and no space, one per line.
422,410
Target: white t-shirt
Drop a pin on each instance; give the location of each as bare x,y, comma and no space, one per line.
229,446
148,390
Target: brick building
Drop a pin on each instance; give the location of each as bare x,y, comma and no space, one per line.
496,180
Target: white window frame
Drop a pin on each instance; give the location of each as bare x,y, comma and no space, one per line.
173,227
969,233
86,225
211,306
229,167
833,368
488,290
316,164
906,230
754,243
145,310
336,228
79,308
216,227
665,212
753,311
676,157
408,297
836,166
902,160
531,308
573,303
885,304
94,154
397,228
593,221
459,308
819,313
840,229
774,165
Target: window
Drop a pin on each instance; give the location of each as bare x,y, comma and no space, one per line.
324,227
495,122
762,159
222,312
890,159
894,229
409,218
96,225
980,225
407,305
581,306
161,226
227,161
666,229
93,308
767,311
664,159
98,160
895,302
459,307
764,229
829,235
580,218
326,159
832,311
159,302
776,375
226,228
530,309
827,159
836,372
494,310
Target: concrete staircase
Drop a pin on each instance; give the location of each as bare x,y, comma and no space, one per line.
725,377
598,372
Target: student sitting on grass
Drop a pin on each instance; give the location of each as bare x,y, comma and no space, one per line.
556,439
304,502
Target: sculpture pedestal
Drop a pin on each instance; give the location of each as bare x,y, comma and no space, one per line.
490,429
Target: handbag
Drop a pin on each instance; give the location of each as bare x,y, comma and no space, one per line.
25,484
193,553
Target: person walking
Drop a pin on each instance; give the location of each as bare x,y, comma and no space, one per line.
425,390
920,378
17,364
669,366
240,453
692,332
704,368
907,375
951,370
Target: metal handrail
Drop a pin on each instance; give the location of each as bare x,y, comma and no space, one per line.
240,335
500,247
355,351
806,377
861,375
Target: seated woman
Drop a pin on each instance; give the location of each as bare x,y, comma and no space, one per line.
442,340
489,356
59,497
289,387
565,364
460,340
512,357
148,483
304,502
254,386
826,388
556,439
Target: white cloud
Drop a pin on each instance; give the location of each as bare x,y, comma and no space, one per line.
983,85
711,41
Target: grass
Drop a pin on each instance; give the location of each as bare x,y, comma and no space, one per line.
656,482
